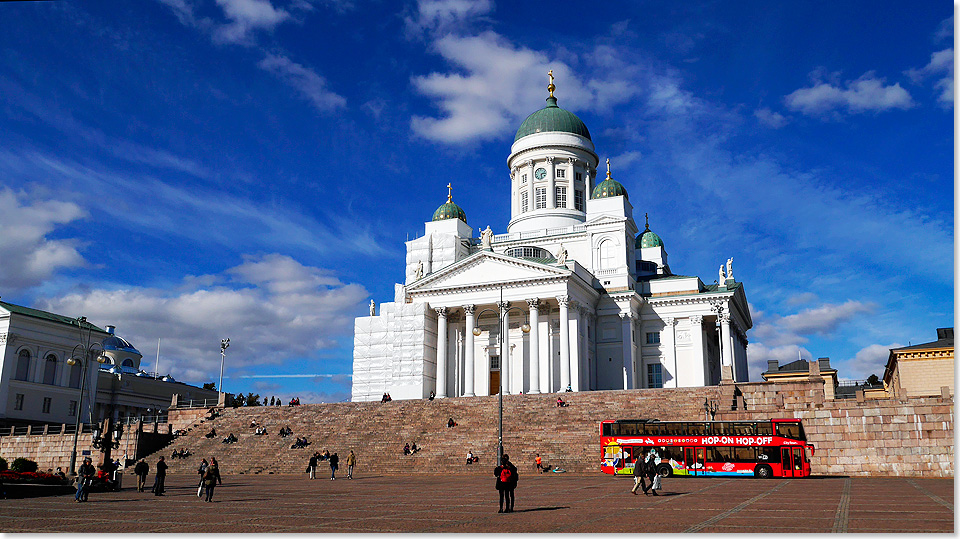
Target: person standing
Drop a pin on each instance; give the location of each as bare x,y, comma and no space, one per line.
200,471
539,462
639,469
653,476
334,464
85,475
141,470
211,478
507,479
312,465
351,462
160,477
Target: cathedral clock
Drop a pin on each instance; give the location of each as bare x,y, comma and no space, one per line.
540,173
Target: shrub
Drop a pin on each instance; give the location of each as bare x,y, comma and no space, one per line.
21,464
3,464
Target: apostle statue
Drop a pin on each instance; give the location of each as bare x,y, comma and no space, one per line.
730,268
562,255
419,272
723,278
486,239
373,308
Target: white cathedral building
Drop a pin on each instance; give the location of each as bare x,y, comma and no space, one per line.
573,297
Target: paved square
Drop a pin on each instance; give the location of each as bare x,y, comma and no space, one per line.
545,503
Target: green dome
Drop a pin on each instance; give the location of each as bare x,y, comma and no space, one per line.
449,210
609,188
648,238
552,118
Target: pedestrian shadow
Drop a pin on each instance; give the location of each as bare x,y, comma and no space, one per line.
540,509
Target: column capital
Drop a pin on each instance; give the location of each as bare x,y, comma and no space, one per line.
534,304
725,318
469,308
696,319
670,321
550,159
503,305
441,311
626,316
563,300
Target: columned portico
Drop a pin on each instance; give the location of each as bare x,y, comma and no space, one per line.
726,348
441,352
629,352
564,342
506,369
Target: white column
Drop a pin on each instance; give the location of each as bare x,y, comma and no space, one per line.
505,368
575,346
564,342
441,352
669,344
514,193
534,345
726,352
532,189
696,334
468,368
629,361
587,186
551,183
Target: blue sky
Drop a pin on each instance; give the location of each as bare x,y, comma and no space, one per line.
198,169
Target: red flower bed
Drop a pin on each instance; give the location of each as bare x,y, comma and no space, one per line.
39,478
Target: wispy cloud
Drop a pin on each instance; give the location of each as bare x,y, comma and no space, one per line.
865,94
444,16
941,67
311,86
273,308
293,376
247,15
769,118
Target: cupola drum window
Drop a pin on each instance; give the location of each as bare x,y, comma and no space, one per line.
541,198
561,197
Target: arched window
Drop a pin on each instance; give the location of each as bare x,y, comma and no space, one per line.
127,363
608,257
50,370
75,373
23,365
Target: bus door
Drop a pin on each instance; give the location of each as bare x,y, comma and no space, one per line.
791,460
693,460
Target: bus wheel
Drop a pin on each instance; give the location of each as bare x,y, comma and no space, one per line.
664,470
763,472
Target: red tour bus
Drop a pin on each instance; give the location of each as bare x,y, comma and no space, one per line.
772,448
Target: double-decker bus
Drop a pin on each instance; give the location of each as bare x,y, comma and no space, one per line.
772,448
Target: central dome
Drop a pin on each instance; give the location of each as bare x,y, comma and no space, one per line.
552,118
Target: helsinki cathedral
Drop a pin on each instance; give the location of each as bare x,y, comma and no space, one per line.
572,297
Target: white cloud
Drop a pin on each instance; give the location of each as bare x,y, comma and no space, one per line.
758,354
825,319
625,160
247,15
868,93
804,297
27,256
769,118
311,86
869,360
442,16
273,308
940,65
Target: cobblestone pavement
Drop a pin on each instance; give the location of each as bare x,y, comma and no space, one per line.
545,503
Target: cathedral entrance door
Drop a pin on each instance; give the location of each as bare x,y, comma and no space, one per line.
494,375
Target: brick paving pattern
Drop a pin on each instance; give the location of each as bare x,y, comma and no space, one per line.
567,503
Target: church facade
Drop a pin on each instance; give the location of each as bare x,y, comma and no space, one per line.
573,297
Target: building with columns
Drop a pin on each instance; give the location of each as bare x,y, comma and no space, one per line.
572,297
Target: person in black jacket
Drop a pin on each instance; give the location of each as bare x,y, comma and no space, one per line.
85,474
639,470
334,464
159,478
211,478
141,470
507,478
312,465
651,470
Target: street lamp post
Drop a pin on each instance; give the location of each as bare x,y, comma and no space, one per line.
85,348
224,344
501,313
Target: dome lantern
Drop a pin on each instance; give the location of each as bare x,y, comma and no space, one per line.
552,118
647,238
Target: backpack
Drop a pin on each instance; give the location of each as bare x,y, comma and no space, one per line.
506,475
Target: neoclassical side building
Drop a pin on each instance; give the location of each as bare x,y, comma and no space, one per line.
584,298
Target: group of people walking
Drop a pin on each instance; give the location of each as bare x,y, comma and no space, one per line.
334,461
209,473
645,467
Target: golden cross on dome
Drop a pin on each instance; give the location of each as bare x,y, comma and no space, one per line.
551,87
647,217
449,193
608,167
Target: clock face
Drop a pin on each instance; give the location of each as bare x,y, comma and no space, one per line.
540,173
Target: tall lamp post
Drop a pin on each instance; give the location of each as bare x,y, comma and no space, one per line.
501,314
224,344
85,349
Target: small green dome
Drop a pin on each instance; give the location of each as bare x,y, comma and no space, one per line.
609,188
552,118
648,238
449,210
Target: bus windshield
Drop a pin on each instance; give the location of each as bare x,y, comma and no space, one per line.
791,430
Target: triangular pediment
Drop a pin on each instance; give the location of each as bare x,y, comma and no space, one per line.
605,219
484,268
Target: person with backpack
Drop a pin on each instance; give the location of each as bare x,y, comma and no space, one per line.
507,478
141,470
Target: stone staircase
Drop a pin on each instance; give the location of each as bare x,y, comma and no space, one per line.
566,437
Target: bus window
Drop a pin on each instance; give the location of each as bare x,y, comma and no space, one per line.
696,429
654,429
641,428
769,454
606,430
723,454
628,429
743,429
764,428
629,454
745,454
789,430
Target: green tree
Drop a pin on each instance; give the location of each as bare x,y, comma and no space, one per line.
253,400
873,380
210,385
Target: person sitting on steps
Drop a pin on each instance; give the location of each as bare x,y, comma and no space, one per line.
451,423
561,403
211,434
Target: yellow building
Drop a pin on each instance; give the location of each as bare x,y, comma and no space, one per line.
804,370
922,369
